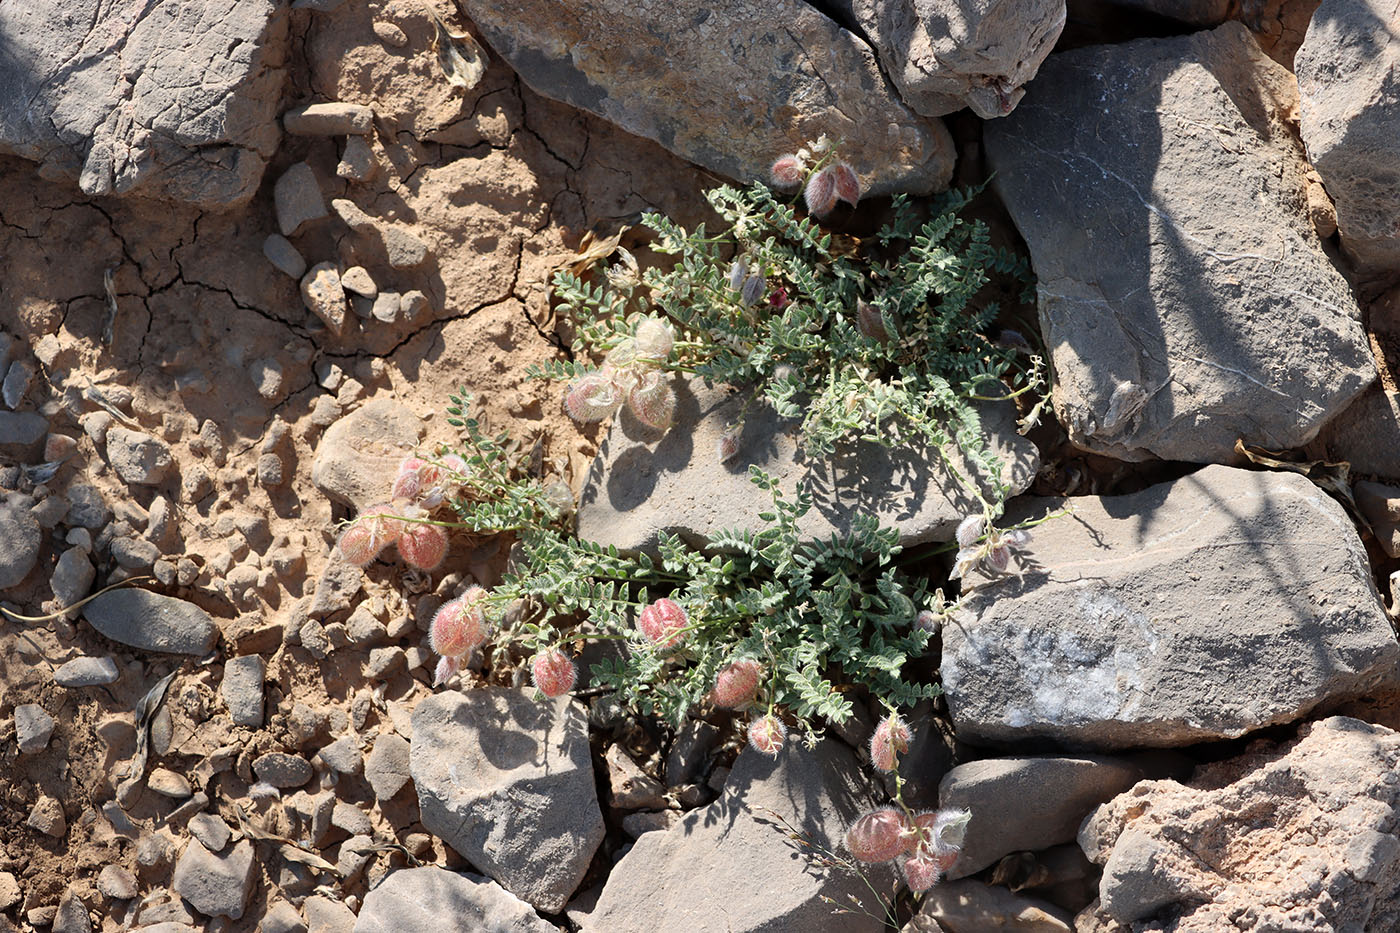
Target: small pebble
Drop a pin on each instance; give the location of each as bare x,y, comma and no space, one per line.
297,199
357,279
33,726
282,770
324,296
47,817
169,784
282,254
210,830
332,119
390,34
87,672
116,882
357,161
412,304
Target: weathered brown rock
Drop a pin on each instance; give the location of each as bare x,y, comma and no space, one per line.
1298,836
699,78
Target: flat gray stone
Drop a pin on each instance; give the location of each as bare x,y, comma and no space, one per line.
22,435
343,755
332,119
216,885
977,907
210,830
282,918
945,55
282,254
387,768
116,882
731,868
87,672
1028,804
639,488
1348,71
138,458
1195,610
356,160
357,456
652,72
242,689
86,507
415,900
507,781
150,621
33,727
196,122
404,248
21,539
297,198
324,915
282,770
1181,314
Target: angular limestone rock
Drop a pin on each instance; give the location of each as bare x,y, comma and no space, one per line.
657,71
1349,78
642,485
1200,609
1182,313
422,900
507,781
945,55
1299,836
195,120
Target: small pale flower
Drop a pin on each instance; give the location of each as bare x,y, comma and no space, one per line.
767,735
736,274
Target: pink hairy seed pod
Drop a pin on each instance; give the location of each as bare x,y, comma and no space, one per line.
737,684
845,182
998,556
820,193
970,530
591,398
423,546
358,544
446,667
870,322
662,622
654,339
878,836
767,735
928,621
554,673
786,173
408,482
727,448
653,401
891,738
922,872
460,625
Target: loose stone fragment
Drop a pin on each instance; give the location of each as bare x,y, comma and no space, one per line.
297,199
333,119
323,295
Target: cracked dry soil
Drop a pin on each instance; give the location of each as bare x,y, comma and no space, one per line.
212,349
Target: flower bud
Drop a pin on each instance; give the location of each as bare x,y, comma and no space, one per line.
970,530
736,684
591,398
845,183
820,193
879,836
890,739
767,735
653,401
786,173
662,622
423,546
754,287
870,322
736,275
554,673
728,446
460,625
654,339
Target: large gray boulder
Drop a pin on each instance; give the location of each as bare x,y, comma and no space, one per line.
1299,836
1182,313
730,85
642,485
507,781
1349,78
433,900
732,868
174,100
945,55
1194,610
